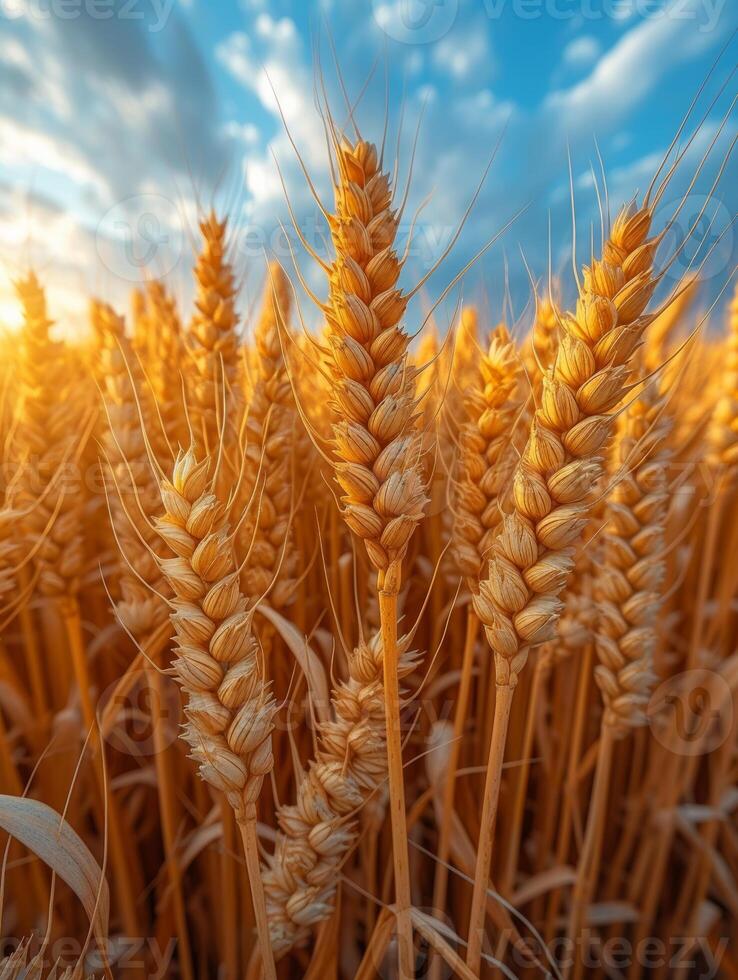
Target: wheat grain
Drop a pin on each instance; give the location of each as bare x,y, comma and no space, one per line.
21,964
518,603
229,709
376,445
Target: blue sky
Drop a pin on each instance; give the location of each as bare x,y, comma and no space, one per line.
119,118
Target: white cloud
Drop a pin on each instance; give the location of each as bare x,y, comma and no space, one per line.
280,32
29,149
279,77
581,52
484,111
245,133
414,62
624,75
461,55
12,52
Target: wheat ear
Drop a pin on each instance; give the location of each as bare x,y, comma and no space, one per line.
539,351
10,551
49,423
131,487
229,707
318,831
212,342
132,493
167,367
377,444
264,538
518,603
487,454
494,399
627,592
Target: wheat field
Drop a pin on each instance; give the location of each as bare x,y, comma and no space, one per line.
376,650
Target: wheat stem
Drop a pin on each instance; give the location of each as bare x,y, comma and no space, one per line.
247,828
403,898
167,804
449,783
507,879
121,864
589,859
490,800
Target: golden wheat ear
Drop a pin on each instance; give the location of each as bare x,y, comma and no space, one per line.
212,341
488,454
129,475
519,602
270,428
318,832
229,707
47,442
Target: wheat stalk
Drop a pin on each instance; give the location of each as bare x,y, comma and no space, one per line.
487,456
